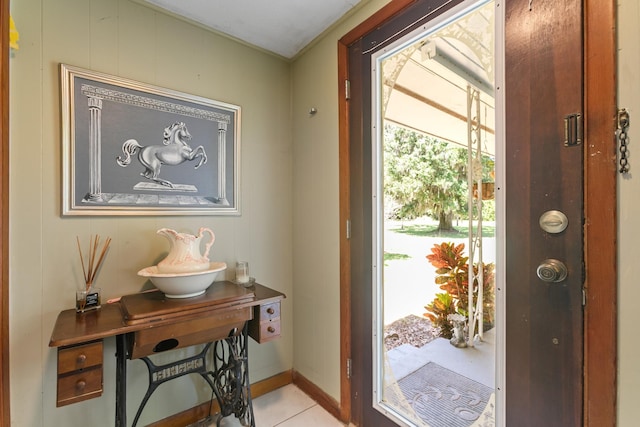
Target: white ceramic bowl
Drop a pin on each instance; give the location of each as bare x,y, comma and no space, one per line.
183,285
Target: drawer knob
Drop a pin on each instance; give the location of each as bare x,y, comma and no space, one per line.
81,359
271,329
80,385
270,310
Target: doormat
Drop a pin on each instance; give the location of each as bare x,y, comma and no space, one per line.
444,398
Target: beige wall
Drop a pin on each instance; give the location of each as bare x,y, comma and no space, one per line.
315,217
129,40
628,216
315,209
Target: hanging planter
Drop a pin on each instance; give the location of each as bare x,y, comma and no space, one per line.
488,190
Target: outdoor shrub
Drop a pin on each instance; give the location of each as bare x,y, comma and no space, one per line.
442,305
452,276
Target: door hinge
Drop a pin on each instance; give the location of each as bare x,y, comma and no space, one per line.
347,89
348,227
349,371
584,279
573,130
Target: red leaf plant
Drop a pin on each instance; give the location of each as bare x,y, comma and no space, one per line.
452,276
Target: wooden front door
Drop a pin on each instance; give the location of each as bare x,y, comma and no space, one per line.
544,172
544,337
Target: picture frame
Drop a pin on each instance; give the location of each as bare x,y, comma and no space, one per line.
131,148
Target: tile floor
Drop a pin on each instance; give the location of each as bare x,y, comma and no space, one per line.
287,406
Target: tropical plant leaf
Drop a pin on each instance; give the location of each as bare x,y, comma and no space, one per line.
452,276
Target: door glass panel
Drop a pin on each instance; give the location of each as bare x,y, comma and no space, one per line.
435,230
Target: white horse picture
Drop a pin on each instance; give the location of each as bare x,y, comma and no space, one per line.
174,150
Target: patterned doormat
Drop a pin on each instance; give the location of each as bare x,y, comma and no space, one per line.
443,398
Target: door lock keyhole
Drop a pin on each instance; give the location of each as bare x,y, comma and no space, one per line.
552,270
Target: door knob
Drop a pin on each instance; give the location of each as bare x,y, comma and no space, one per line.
552,270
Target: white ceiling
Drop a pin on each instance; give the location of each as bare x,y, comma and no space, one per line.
283,27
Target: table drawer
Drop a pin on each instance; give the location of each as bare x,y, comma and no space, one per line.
208,328
79,386
269,331
268,312
79,357
265,325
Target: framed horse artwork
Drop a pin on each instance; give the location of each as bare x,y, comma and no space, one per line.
130,148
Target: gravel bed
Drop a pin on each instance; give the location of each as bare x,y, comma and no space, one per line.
414,330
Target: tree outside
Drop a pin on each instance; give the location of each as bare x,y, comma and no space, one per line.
424,175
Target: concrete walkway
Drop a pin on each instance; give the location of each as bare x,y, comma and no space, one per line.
476,363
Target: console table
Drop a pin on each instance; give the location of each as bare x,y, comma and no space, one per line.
148,323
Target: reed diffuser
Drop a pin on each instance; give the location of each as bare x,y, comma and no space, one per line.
89,298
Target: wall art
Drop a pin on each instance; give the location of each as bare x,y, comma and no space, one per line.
130,148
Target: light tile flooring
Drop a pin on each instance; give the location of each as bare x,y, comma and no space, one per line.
287,406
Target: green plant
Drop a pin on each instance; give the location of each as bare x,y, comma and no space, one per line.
452,276
424,175
442,306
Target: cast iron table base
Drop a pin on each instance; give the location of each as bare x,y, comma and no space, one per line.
229,378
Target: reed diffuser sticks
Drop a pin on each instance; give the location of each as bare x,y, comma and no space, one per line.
93,261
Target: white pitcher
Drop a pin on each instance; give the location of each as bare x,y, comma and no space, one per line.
184,252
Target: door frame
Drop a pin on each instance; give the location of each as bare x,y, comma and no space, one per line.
600,208
5,401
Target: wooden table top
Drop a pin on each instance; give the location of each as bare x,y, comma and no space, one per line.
151,309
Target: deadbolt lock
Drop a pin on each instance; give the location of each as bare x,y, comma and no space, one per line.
552,270
553,222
